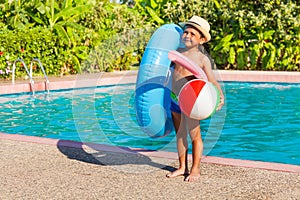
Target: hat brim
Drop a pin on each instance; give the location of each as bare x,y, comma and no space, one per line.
199,28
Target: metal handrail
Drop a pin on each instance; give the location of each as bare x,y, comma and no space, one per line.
41,66
28,73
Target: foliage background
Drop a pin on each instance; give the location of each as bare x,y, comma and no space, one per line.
83,36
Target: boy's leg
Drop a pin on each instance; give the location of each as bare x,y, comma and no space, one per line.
182,145
197,148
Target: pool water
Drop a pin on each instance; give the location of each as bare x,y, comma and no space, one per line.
261,121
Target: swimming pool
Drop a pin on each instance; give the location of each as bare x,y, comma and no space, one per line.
261,121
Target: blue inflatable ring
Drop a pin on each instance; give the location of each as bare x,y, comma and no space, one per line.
152,94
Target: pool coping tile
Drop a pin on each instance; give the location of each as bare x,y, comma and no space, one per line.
127,77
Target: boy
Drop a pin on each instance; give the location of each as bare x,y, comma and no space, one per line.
196,33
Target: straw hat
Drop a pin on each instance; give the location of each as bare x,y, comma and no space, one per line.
199,23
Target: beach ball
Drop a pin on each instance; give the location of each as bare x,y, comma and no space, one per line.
198,99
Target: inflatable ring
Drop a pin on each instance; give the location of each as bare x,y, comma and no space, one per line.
153,89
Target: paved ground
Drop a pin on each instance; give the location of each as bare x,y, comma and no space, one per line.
39,171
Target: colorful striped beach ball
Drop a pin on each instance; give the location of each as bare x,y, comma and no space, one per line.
198,99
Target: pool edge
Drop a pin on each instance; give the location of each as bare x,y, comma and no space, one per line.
125,77
161,154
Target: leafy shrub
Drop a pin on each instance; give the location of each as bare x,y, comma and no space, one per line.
118,52
97,35
252,35
55,30
27,44
119,37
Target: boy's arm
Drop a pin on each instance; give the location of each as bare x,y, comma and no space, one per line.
207,68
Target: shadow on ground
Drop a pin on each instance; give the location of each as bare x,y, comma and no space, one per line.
123,158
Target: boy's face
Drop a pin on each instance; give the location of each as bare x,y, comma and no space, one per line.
192,37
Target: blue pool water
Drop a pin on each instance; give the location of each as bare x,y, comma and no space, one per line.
261,121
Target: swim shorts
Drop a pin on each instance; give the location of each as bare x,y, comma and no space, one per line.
174,103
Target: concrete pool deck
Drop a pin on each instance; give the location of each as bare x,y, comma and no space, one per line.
40,168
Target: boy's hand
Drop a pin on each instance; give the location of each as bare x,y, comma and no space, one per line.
221,103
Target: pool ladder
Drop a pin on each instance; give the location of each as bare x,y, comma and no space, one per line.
29,73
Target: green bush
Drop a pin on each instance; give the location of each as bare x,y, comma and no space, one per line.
118,52
266,37
119,37
251,35
56,38
27,44
97,35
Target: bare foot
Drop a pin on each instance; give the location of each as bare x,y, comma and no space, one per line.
178,172
194,176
